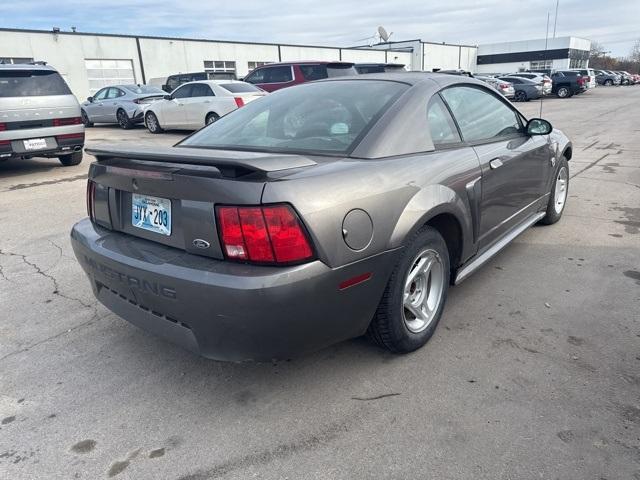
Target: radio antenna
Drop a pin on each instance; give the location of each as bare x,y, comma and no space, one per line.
544,58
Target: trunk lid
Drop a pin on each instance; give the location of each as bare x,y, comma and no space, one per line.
192,181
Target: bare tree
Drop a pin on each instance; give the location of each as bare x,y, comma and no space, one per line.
635,52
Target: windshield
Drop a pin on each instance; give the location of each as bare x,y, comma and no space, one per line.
240,87
31,83
314,117
144,89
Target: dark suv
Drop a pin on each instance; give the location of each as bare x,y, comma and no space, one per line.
275,76
567,83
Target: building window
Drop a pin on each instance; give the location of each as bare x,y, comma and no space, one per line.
102,73
6,60
220,66
254,65
577,63
541,65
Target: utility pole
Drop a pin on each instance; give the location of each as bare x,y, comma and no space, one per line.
555,21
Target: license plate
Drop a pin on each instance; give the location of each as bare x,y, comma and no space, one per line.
35,144
151,213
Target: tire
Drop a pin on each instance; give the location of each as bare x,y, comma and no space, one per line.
123,119
608,83
554,211
563,92
71,159
211,118
152,123
521,96
85,119
394,327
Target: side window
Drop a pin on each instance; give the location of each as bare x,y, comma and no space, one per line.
313,72
481,115
256,76
443,130
173,82
114,93
182,92
278,74
514,80
201,90
101,95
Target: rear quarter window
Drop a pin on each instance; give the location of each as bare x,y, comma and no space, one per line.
239,87
32,83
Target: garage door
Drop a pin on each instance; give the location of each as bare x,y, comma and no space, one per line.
102,73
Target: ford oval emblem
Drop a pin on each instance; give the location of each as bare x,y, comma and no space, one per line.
199,243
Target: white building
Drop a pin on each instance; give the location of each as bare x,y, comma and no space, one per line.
541,54
428,56
90,61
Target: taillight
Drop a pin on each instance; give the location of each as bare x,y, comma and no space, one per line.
91,198
60,122
269,234
3,127
70,136
504,85
239,101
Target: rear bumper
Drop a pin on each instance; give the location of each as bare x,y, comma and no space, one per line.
224,310
55,148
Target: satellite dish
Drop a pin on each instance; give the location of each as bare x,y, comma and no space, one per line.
384,36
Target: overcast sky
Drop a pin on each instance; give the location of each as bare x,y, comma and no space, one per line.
614,23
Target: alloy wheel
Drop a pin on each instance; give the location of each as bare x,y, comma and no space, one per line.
560,196
123,121
423,291
152,122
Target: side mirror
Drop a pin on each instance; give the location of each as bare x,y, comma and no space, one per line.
167,97
538,126
90,99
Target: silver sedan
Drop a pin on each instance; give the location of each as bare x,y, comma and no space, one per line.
121,104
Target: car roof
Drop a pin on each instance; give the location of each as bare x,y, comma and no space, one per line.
305,62
214,81
410,78
26,66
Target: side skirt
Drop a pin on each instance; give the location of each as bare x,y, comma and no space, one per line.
481,259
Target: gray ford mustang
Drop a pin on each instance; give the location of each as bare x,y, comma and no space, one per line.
319,213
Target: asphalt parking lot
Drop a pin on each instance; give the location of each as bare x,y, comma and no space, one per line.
532,373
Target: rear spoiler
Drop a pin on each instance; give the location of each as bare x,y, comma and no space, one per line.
253,161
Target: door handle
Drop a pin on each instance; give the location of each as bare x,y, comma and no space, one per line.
495,163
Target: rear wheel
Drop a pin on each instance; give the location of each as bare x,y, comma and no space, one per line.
151,121
415,295
85,119
521,96
72,159
123,119
559,192
211,117
563,92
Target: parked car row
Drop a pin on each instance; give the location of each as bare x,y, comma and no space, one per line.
39,116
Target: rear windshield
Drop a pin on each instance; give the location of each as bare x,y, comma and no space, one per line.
144,89
318,117
31,83
240,87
